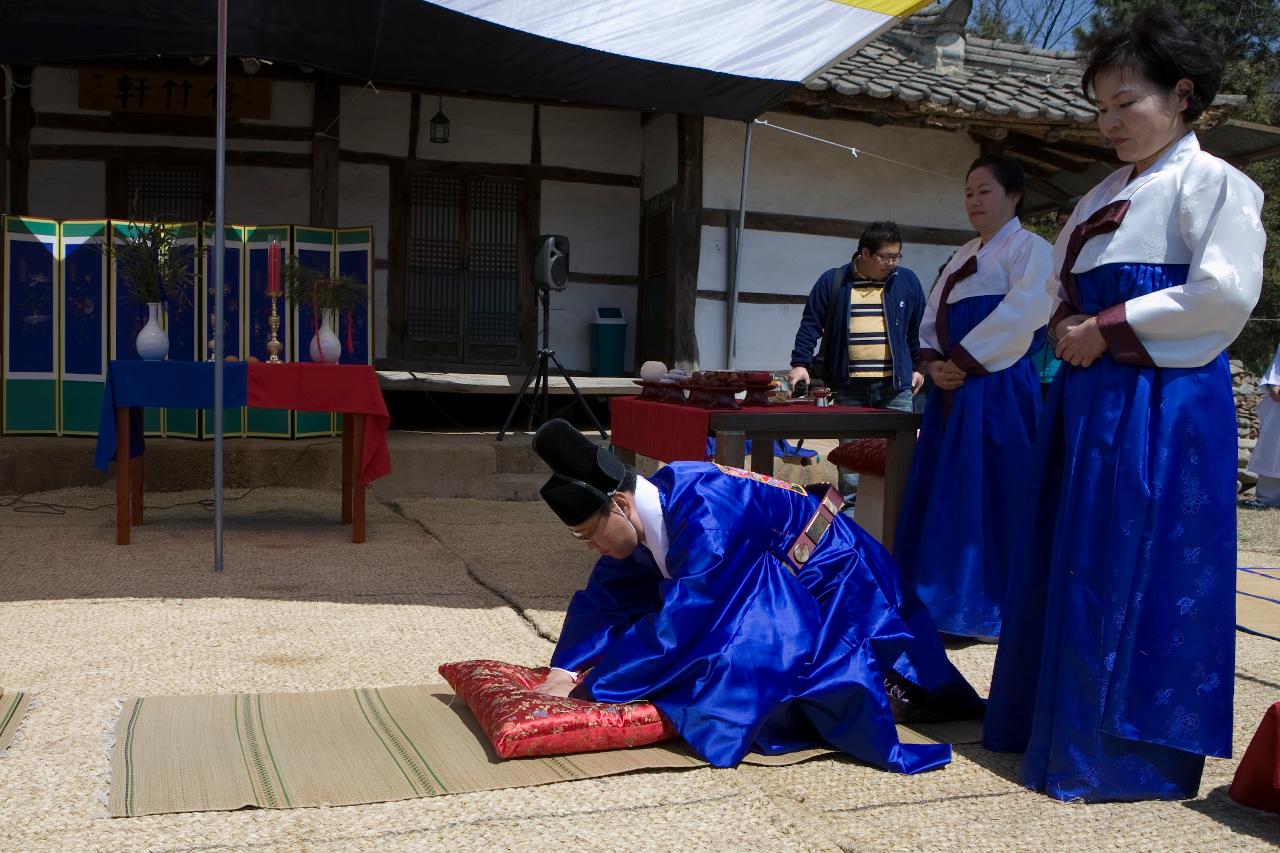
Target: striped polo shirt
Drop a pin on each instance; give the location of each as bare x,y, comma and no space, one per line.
869,356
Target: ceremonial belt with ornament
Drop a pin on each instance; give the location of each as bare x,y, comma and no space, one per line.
829,505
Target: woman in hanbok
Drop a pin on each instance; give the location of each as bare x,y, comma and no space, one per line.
982,324
1115,669
1264,463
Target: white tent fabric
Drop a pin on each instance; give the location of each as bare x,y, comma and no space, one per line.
764,39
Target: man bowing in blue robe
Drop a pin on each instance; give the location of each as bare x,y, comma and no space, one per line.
750,612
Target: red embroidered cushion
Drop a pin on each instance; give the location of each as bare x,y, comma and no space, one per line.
864,455
522,723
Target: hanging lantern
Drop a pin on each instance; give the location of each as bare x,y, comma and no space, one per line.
440,124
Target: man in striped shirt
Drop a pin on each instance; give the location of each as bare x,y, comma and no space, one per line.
867,316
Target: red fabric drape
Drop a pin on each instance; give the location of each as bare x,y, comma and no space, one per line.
1257,780
329,388
669,431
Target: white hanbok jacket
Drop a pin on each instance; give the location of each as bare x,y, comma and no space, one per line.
1188,207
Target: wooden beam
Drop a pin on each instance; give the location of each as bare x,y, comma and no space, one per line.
686,238
535,140
1044,154
169,126
829,227
752,297
325,123
4,160
24,118
415,125
605,278
151,154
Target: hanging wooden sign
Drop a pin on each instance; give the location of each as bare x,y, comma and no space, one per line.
171,93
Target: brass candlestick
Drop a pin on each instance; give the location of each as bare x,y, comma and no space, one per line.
273,343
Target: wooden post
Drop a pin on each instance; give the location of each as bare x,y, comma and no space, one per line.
20,143
686,238
898,451
324,154
415,123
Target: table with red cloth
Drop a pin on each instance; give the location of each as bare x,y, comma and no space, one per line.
1257,780
670,431
350,389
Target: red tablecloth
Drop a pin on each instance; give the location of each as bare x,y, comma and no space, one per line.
669,431
329,388
1257,781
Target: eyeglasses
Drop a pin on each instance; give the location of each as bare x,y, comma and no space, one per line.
886,258
583,536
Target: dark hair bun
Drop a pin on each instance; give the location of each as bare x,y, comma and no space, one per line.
1161,47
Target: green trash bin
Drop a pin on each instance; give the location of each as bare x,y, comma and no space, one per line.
608,342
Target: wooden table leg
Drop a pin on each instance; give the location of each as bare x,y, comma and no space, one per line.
731,448
762,456
357,488
898,451
122,475
135,489
347,418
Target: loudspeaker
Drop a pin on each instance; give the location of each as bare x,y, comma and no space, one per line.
551,262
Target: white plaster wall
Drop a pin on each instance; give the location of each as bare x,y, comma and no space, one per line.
57,90
599,140
479,131
660,154
764,335
375,121
67,189
601,222
363,202
571,314
258,196
779,262
799,176
290,104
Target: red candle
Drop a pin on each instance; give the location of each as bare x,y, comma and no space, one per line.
273,268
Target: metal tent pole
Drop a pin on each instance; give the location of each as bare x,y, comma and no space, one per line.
730,343
219,258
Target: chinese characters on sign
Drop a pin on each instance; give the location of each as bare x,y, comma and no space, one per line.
174,94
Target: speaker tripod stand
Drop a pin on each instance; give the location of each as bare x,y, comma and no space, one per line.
538,377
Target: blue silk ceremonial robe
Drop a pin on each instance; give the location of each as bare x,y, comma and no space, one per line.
967,491
1116,662
743,650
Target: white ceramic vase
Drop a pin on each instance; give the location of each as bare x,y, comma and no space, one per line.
153,341
326,348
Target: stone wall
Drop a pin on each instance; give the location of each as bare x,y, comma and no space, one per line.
1247,395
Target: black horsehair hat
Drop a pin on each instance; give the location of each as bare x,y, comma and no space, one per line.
585,474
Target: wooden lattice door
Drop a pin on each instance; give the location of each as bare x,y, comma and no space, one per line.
463,270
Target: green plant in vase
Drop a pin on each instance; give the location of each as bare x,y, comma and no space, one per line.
157,262
330,297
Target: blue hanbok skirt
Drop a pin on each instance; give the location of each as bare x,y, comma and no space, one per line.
968,487
1115,668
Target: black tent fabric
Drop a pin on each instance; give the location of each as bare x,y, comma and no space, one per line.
389,42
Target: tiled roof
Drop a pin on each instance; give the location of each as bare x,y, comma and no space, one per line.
920,63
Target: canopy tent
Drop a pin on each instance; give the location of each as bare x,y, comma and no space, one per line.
723,58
